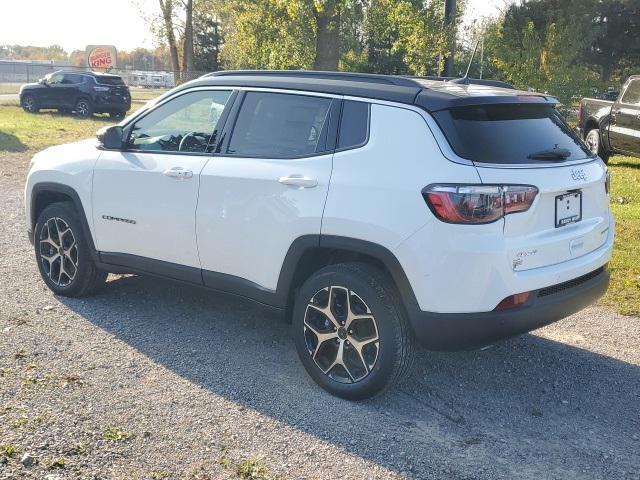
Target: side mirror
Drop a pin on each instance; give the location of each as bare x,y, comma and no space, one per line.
43,81
110,138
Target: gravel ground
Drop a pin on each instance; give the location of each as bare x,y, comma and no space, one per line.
153,380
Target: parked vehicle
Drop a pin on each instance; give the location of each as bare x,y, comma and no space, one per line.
610,127
152,79
371,210
81,92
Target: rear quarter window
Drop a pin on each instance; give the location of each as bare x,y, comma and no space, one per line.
109,80
509,133
354,125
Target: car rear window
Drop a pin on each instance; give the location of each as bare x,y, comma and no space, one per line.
510,134
109,80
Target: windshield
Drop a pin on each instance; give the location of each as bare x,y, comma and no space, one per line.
510,134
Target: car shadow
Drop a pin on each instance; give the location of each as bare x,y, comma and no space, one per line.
11,143
627,164
456,413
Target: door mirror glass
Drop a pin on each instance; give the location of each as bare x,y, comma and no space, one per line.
188,123
110,138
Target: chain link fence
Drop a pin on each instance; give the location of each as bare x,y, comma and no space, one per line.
19,72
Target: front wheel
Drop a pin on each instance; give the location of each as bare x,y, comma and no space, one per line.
350,331
63,254
30,104
593,141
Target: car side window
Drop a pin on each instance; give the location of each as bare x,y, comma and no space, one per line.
72,79
632,93
55,79
187,123
354,125
279,125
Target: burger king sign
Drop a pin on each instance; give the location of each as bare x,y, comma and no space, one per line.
101,57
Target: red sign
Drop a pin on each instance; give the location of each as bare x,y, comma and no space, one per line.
101,57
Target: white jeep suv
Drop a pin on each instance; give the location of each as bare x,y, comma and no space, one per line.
371,210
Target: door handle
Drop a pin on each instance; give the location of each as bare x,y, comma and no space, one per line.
179,173
298,181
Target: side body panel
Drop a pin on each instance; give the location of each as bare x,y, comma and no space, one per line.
247,220
139,210
69,165
375,195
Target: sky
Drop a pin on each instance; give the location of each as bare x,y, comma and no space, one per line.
74,24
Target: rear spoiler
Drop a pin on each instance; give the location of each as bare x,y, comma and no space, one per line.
440,100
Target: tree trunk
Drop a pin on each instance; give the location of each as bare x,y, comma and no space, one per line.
187,59
327,36
166,6
607,69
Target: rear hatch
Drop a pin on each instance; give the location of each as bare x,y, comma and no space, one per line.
531,144
114,87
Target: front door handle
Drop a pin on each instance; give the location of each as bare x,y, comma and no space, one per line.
298,181
179,173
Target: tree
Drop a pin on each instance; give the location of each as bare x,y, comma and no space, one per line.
187,55
167,9
616,42
327,26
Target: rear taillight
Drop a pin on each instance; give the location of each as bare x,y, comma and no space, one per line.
477,204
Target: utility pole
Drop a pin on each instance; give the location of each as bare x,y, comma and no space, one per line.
449,19
481,54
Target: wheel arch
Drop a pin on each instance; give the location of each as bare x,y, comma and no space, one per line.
310,253
46,193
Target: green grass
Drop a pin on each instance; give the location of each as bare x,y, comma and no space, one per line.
21,131
28,133
624,292
116,434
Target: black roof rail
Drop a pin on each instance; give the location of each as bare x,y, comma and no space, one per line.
401,81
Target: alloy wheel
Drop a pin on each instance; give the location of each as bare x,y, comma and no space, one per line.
593,141
29,104
58,251
82,108
341,334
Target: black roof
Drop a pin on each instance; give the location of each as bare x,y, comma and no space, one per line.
86,72
430,93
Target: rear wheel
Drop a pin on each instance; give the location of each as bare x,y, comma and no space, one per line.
30,104
62,252
350,331
593,141
83,108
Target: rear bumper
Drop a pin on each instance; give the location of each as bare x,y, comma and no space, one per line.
460,331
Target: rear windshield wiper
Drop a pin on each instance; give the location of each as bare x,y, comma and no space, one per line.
552,154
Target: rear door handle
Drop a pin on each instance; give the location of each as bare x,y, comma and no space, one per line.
179,173
299,181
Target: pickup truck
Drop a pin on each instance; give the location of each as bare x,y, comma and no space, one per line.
612,127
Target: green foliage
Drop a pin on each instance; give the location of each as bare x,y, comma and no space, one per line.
115,434
553,46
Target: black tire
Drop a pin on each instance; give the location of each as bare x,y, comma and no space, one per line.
593,140
117,115
83,108
30,104
82,280
370,290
